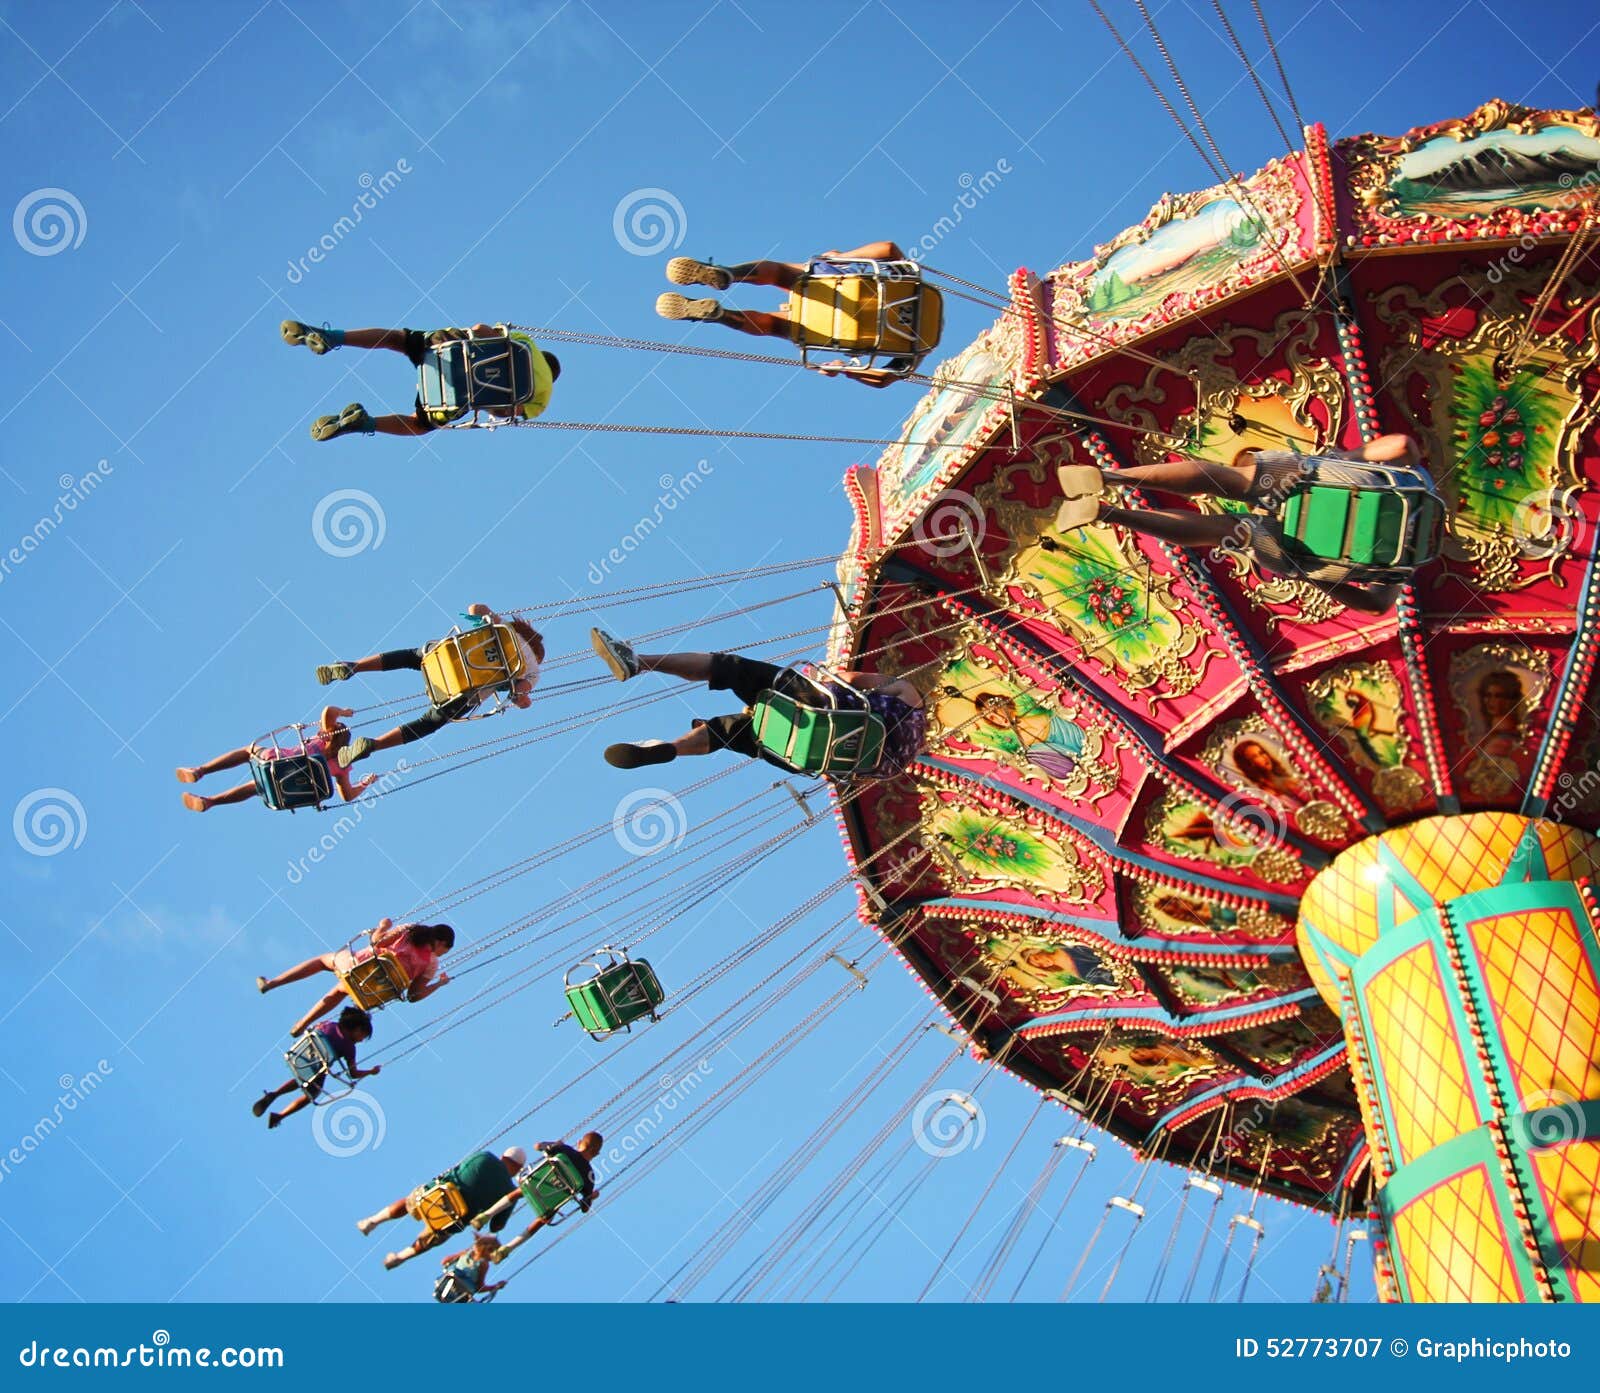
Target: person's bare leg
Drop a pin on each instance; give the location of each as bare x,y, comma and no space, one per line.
696,742
323,962
756,322
271,1096
692,667
1392,447
273,1119
239,793
1183,529
400,425
192,774
1191,477
394,339
785,274
420,1244
389,1212
317,1012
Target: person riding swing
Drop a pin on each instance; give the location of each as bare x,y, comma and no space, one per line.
489,368
838,724
1354,523
870,302
461,671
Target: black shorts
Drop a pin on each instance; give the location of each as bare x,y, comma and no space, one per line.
747,679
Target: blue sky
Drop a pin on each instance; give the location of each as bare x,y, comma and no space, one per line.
178,604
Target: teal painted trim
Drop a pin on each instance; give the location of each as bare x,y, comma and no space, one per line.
1158,1013
1284,904
1298,1072
1328,953
1111,930
1528,861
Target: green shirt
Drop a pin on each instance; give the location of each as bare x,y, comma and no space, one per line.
483,1181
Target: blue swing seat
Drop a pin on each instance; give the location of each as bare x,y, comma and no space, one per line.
462,375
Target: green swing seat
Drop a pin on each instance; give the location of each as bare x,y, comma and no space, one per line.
818,735
1384,521
550,1184
619,992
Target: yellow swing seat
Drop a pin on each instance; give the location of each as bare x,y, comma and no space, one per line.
375,981
438,1206
472,662
874,311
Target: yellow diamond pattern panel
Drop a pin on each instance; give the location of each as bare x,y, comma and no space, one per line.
1569,1181
1451,1245
1418,1057
1545,1001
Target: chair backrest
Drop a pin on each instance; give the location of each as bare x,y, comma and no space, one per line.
440,1207
475,375
615,996
311,1059
288,782
884,310
455,1286
477,661
375,981
550,1183
817,739
1386,521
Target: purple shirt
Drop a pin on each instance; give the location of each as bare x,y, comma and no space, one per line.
341,1044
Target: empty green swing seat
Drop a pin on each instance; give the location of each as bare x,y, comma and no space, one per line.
550,1184
818,738
620,992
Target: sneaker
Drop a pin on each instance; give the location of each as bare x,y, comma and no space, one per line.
615,654
353,420
640,754
685,270
332,672
295,333
674,306
359,748
261,1104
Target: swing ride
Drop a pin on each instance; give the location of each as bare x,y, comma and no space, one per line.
1295,898
1287,895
